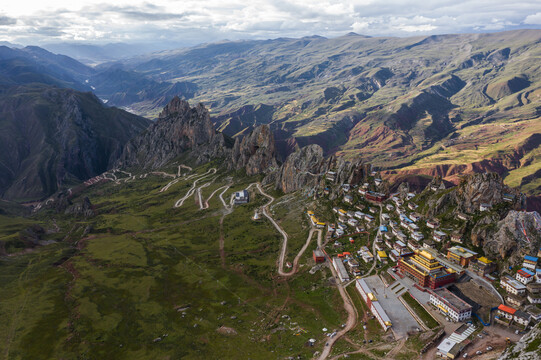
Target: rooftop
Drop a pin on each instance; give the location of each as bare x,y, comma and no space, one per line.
462,252
530,258
452,300
525,273
484,260
506,309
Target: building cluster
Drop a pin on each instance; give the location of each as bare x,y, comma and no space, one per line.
522,289
314,220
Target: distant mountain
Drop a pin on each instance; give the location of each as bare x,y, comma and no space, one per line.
96,54
425,105
136,91
54,137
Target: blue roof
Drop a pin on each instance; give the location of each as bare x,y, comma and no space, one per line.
383,228
530,258
528,271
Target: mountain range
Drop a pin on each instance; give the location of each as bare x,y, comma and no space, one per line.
412,107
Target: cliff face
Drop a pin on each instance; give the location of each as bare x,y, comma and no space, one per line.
306,167
179,128
255,152
518,234
52,137
474,190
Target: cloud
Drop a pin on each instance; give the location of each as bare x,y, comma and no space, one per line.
534,19
196,21
6,20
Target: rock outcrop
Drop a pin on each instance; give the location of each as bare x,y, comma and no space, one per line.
51,137
307,167
255,152
303,168
526,349
81,209
518,234
179,128
474,190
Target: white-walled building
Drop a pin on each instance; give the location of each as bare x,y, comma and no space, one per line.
450,304
340,269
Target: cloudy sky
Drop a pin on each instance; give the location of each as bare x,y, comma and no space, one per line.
196,21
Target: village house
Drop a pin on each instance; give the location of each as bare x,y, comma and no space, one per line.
415,217
319,256
410,196
439,236
485,207
359,215
515,300
534,312
242,197
389,207
416,235
512,286
462,216
336,209
504,314
350,214
399,245
330,176
385,217
521,318
353,222
433,224
382,256
428,244
348,199
530,262
413,244
456,237
346,187
413,227
389,243
508,197
412,206
378,181
380,246
362,191
394,255
374,196
401,236
368,218
534,298
525,276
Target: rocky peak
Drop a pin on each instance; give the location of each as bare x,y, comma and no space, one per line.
179,128
307,166
255,152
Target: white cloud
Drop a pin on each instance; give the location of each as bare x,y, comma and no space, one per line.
534,19
210,20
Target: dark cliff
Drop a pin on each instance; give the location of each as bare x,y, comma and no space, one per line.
54,137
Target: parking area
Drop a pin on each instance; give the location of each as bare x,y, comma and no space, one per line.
400,317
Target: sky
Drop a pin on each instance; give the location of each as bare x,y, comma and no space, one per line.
197,21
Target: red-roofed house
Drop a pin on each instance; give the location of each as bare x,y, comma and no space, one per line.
525,276
506,311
